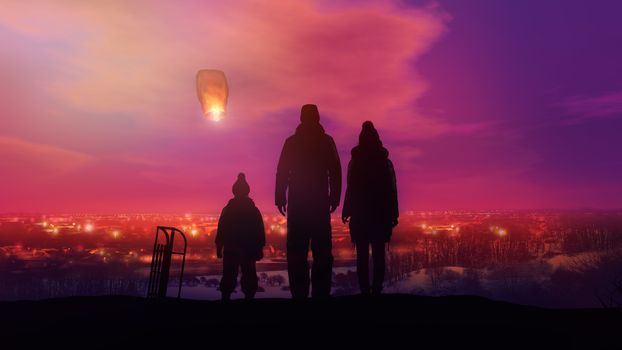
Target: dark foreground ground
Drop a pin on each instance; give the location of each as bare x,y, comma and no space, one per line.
387,322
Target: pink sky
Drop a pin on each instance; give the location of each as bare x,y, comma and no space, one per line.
100,112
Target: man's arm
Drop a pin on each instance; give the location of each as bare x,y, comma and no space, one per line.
282,177
334,175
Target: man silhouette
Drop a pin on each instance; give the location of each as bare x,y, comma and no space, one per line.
308,189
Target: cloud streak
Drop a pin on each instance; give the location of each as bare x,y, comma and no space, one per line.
140,58
116,80
34,160
608,105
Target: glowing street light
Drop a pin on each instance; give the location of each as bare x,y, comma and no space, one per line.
498,231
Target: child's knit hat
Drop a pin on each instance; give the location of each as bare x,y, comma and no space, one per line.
240,187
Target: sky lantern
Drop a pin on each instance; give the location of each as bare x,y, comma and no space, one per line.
213,91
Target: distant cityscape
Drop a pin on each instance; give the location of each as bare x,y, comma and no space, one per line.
431,252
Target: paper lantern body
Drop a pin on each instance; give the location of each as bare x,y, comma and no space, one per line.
213,91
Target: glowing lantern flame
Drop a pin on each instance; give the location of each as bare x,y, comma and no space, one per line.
213,91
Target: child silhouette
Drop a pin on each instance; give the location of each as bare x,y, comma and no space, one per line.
239,241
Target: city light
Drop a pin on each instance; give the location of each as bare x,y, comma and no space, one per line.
436,229
455,239
498,231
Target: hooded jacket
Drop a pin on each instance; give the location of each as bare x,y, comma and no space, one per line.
371,194
308,175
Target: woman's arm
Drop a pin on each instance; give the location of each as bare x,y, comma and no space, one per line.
347,201
395,213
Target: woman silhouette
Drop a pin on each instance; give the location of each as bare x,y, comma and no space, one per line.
370,205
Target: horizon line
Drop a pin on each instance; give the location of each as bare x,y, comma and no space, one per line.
275,212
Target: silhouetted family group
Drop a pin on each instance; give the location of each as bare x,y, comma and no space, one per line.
308,190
